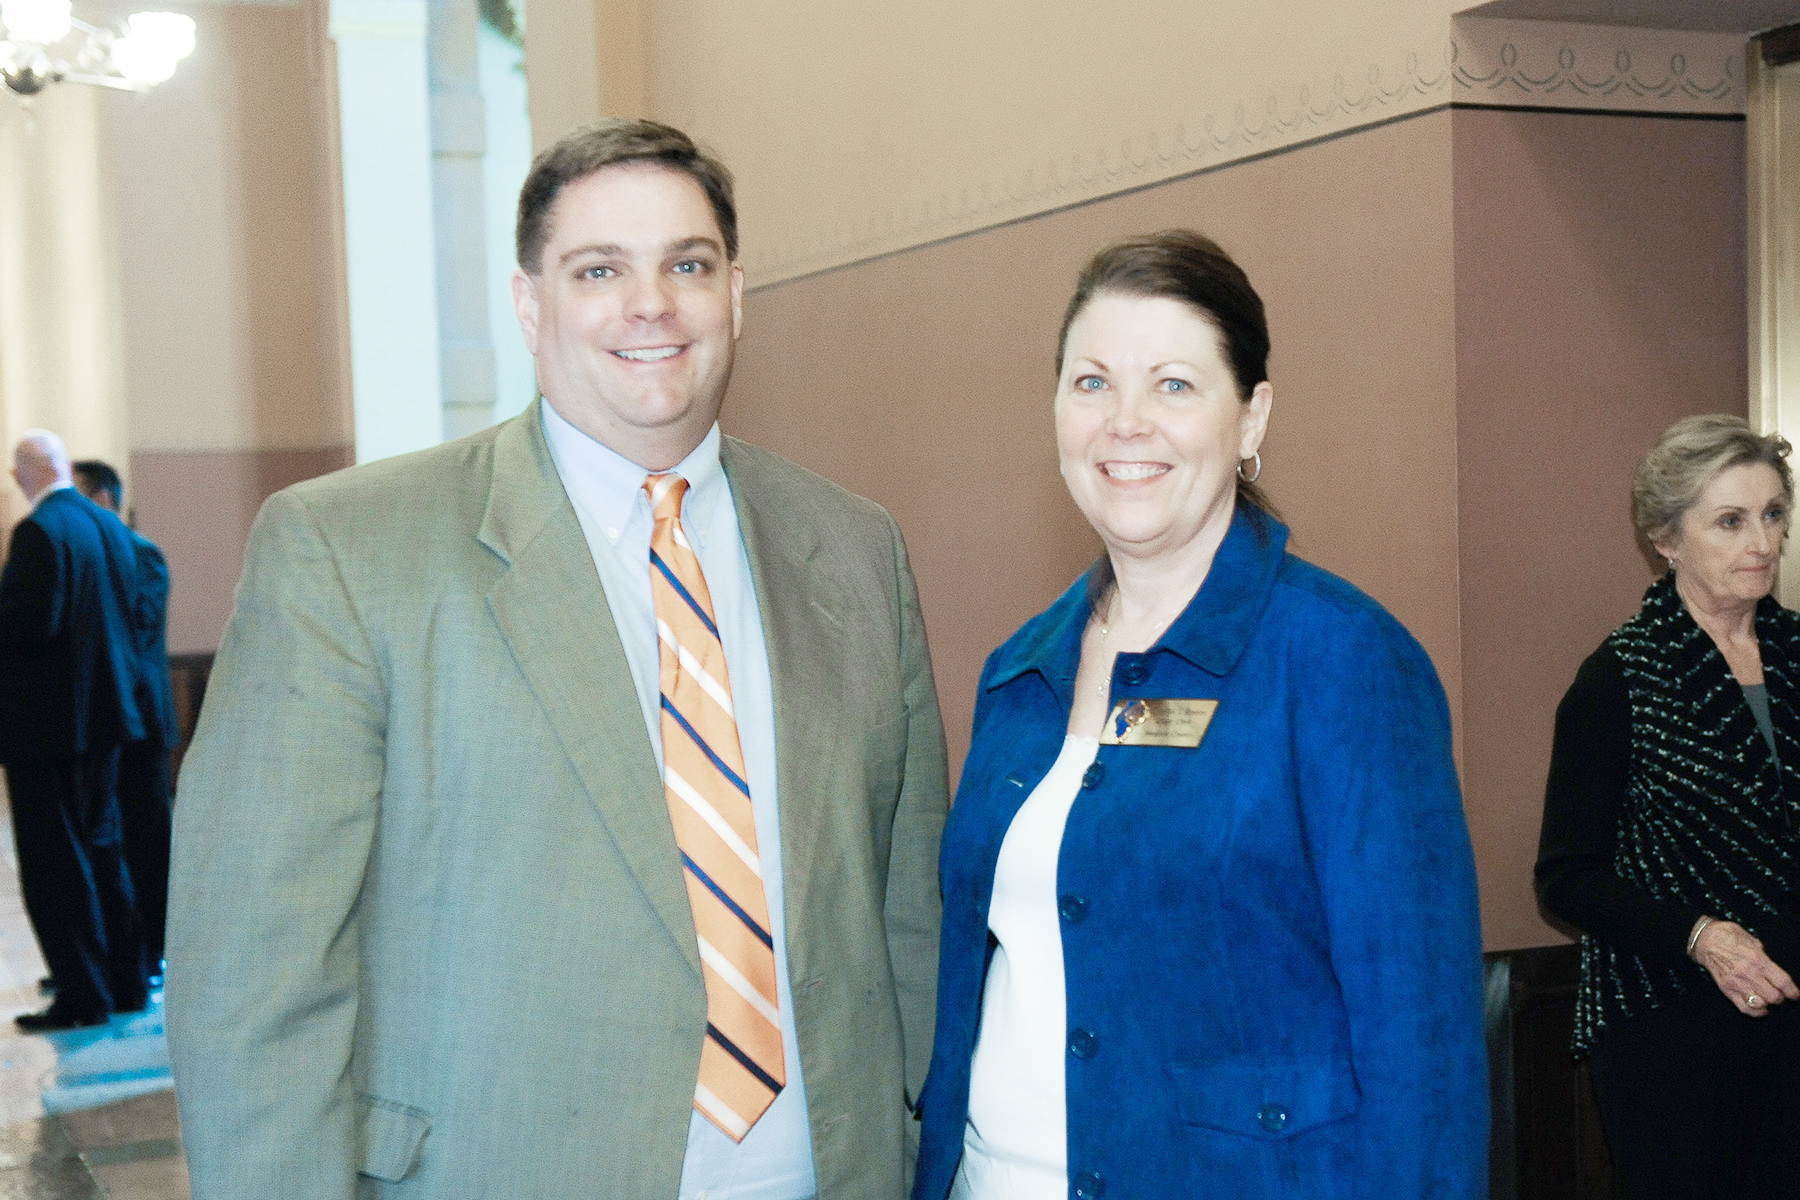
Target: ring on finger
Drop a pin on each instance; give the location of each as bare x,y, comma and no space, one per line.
1753,1000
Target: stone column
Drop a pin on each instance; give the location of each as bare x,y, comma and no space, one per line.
389,248
458,139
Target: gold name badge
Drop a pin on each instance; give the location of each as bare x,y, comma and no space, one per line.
1158,722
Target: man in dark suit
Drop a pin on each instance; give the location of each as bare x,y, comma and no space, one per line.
69,685
144,783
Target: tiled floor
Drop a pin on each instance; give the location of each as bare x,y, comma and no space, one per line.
65,1133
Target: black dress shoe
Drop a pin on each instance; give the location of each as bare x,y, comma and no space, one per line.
55,1019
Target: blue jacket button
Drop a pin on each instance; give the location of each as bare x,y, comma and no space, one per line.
1091,777
1135,674
1072,907
1084,1043
1089,1186
1272,1117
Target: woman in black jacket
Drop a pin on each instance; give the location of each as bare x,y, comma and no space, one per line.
1669,834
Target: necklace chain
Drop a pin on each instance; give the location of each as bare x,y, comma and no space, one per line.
1106,670
1100,688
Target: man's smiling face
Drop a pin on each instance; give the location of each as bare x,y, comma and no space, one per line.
634,312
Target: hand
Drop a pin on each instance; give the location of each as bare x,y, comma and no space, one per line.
1750,979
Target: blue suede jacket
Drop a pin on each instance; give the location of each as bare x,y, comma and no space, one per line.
1271,947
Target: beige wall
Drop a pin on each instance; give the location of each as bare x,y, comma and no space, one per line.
925,380
865,128
61,352
1600,294
231,275
198,506
227,242
859,129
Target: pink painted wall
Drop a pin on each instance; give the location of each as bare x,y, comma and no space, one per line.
924,380
1481,319
1600,294
199,507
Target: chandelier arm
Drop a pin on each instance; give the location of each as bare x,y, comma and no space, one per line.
108,81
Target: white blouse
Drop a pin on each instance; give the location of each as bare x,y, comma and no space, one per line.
1015,1146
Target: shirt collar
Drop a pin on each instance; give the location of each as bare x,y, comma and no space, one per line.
55,487
1211,632
608,486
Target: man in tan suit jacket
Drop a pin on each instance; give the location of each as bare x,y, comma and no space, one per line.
429,932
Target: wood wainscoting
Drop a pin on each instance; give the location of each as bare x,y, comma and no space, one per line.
1546,1141
188,673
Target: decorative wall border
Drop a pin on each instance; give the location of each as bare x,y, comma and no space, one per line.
1484,62
1551,64
1175,149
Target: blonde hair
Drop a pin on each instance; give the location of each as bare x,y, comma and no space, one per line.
1689,455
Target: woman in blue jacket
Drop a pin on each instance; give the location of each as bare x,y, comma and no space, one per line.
1209,906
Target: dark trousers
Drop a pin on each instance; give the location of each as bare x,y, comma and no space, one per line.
1700,1101
66,825
144,813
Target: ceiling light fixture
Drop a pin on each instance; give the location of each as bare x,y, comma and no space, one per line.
135,58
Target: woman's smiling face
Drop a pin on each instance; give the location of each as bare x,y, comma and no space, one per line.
1150,426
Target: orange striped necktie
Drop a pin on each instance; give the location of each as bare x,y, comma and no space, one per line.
707,788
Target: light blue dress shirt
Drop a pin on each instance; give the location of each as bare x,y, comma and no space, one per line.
774,1161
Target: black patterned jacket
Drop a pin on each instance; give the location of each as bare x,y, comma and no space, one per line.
1664,805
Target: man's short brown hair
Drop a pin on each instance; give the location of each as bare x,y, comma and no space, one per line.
609,143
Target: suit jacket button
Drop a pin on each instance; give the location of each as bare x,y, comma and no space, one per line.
1090,778
1072,907
1089,1186
1084,1043
1272,1117
1134,674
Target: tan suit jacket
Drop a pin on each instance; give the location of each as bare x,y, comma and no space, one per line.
428,932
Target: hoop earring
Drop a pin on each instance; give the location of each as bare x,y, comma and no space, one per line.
1257,456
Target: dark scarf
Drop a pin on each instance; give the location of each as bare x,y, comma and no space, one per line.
1710,816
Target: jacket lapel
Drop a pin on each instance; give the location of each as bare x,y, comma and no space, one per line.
1717,714
1775,633
805,645
552,611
